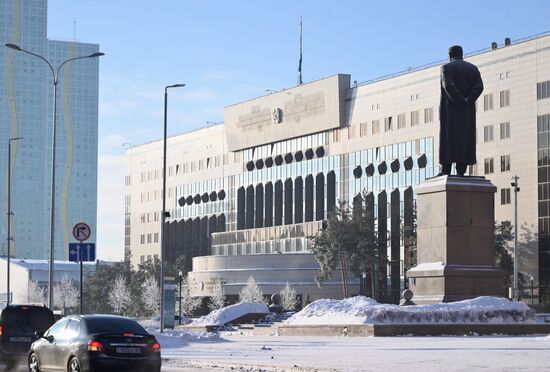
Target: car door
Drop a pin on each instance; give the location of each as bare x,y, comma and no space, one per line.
67,343
46,351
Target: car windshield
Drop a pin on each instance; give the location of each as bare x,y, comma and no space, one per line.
116,326
27,319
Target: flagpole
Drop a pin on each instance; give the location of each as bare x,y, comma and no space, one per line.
300,82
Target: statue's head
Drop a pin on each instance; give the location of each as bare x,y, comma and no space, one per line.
455,52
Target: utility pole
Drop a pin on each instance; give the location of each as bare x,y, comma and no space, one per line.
515,185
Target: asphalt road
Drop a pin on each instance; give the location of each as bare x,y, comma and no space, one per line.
22,368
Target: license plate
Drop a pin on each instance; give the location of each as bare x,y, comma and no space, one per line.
20,339
128,350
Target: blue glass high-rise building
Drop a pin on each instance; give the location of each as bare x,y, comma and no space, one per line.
26,104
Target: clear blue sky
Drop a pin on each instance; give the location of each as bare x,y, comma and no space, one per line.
228,51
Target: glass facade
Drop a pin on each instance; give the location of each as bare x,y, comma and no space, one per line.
287,189
26,101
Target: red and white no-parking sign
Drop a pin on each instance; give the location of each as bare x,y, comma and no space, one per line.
81,231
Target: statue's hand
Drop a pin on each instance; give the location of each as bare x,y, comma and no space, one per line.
464,104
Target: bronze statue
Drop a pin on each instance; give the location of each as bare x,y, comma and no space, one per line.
461,85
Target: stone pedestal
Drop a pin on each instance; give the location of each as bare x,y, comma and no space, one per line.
455,244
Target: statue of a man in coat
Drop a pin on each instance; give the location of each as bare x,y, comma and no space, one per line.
461,85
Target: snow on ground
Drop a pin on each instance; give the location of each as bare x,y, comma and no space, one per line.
364,310
353,354
175,338
229,313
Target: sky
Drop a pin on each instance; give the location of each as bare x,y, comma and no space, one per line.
230,51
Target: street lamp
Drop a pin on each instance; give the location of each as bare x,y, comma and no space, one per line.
10,213
515,185
164,213
180,277
55,76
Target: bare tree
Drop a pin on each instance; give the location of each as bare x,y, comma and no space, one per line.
188,303
252,293
34,293
66,293
150,295
217,301
289,297
119,295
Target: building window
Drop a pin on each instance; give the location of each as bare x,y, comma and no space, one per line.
489,166
487,133
415,115
142,259
488,102
148,238
142,238
543,90
401,121
428,115
505,163
375,126
336,135
505,196
504,130
504,98
388,124
362,129
156,237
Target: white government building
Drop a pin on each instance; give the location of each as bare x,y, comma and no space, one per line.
244,195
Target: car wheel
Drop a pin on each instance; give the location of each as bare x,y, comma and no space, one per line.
34,366
74,365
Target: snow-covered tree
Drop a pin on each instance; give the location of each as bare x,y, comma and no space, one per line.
217,301
252,293
150,295
289,297
34,293
188,303
65,293
119,295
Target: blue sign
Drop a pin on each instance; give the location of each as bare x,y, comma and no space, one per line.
86,252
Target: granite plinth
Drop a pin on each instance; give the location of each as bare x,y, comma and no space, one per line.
455,246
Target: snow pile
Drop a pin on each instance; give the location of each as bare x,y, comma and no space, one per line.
229,313
364,310
173,338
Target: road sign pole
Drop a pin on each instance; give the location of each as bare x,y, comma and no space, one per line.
80,259
81,286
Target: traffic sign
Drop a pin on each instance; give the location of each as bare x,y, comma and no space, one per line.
81,231
85,250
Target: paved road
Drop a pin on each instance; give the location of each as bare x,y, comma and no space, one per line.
22,368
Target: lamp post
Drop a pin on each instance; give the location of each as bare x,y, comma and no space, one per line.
163,219
55,80
515,185
10,213
180,275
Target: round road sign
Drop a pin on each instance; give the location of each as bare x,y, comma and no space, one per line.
81,232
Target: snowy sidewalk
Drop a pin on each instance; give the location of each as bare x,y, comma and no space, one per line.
276,353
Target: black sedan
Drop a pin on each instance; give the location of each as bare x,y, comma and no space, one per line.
95,343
